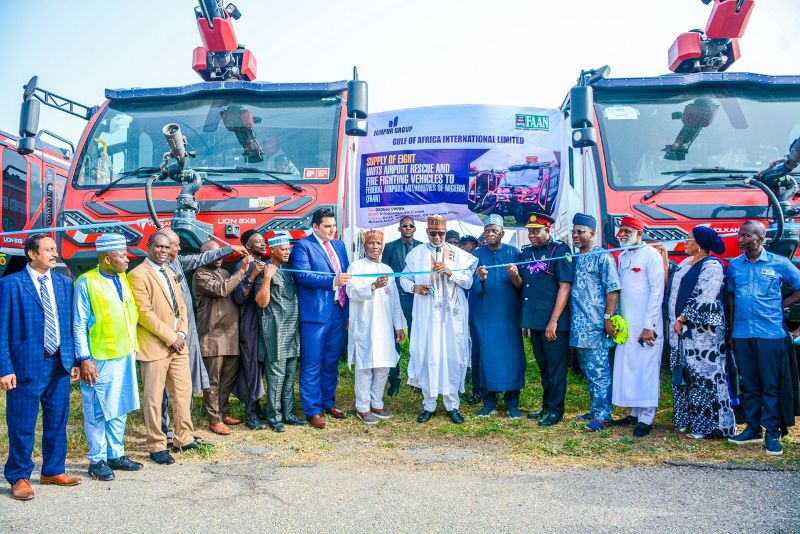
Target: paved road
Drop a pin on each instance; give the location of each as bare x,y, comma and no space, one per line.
425,489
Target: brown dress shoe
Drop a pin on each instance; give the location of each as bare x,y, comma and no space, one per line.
336,413
317,421
60,480
231,420
220,428
22,490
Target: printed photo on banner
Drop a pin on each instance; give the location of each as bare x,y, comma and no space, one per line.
464,162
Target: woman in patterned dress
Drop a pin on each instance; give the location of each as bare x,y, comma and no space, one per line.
702,403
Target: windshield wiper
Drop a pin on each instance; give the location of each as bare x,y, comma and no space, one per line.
697,170
253,170
141,171
148,171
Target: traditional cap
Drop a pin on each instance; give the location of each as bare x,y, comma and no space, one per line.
470,238
632,222
373,234
452,234
708,239
539,220
277,240
583,219
110,243
247,235
494,219
437,222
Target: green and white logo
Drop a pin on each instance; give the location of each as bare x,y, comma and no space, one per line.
533,122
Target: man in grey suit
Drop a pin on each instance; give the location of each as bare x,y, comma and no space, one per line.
180,264
394,255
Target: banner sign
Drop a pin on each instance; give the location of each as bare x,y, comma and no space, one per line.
464,162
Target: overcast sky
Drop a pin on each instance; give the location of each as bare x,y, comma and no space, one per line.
412,52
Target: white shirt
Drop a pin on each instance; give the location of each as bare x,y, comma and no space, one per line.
50,292
322,244
167,287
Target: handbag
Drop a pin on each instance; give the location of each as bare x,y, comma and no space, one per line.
680,374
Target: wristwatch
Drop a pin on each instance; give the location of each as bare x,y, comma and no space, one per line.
606,317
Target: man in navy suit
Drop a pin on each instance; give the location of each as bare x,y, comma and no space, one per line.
323,314
36,364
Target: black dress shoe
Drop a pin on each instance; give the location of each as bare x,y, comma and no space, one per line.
100,471
538,414
425,416
292,419
394,388
549,419
627,420
642,430
455,416
162,457
277,426
189,447
254,423
123,463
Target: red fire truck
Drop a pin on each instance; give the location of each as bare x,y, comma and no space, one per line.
32,188
684,149
218,157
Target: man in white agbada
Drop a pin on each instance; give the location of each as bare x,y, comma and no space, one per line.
376,323
637,362
440,343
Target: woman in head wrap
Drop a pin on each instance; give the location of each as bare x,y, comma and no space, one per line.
697,340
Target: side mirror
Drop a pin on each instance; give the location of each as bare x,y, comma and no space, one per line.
28,126
356,97
356,127
583,137
581,105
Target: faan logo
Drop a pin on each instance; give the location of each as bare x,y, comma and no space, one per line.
532,122
393,129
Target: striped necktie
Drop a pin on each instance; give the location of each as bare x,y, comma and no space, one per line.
50,345
175,308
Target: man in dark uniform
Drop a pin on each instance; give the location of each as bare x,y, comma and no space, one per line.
546,286
394,255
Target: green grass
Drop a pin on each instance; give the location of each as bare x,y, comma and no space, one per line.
521,440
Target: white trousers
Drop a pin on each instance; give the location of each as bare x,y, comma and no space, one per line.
451,402
369,385
644,415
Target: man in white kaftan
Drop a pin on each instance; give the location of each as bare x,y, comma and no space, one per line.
637,362
440,342
376,323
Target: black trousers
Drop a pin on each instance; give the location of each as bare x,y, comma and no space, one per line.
551,357
759,363
394,372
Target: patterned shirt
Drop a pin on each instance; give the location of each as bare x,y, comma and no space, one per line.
595,277
280,324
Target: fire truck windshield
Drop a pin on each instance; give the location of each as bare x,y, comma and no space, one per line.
523,176
648,137
295,139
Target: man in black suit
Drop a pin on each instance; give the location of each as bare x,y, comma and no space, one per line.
394,255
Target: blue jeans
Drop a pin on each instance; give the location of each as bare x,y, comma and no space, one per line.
595,366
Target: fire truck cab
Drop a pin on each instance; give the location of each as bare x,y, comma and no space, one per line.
32,189
676,151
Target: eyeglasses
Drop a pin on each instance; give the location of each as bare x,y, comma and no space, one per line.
435,234
407,226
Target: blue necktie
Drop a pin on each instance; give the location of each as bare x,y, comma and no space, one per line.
50,345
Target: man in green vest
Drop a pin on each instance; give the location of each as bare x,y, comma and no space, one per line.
104,329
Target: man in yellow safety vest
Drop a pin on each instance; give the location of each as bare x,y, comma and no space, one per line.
104,330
